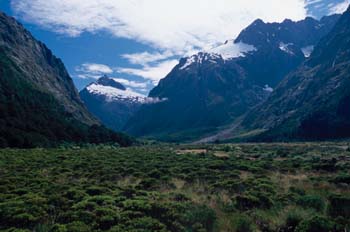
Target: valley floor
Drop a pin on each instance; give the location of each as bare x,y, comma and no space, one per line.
232,187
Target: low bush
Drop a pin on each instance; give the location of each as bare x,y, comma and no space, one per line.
339,206
316,224
244,223
311,201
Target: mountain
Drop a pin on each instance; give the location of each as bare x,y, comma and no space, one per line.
202,92
281,47
39,105
111,102
215,87
314,101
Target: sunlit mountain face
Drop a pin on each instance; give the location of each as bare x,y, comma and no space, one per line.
94,38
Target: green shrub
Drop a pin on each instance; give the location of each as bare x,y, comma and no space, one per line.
227,148
253,200
339,206
296,190
59,228
293,219
326,165
43,228
316,224
312,201
246,202
95,190
203,215
244,224
342,179
25,220
148,184
78,226
146,224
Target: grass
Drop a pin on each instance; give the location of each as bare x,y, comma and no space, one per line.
228,187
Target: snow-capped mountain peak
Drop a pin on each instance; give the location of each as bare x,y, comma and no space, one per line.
112,91
106,81
200,58
226,51
113,103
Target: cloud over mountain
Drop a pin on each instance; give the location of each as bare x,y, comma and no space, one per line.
177,26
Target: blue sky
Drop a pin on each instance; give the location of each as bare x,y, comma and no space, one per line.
139,41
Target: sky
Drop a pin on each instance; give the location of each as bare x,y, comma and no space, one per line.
138,42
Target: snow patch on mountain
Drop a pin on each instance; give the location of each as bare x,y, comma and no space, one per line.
285,47
308,50
200,58
267,88
230,50
188,63
115,94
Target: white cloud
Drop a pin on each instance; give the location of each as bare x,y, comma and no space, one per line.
339,8
172,25
153,73
141,86
92,71
311,2
92,68
87,76
144,58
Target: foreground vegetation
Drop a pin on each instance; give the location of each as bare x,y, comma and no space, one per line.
236,187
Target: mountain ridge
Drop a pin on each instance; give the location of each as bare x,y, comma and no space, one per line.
210,89
311,103
39,103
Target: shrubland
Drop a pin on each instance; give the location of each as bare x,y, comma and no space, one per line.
191,188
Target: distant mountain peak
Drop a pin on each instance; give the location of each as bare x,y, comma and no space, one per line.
112,102
217,55
257,22
112,90
291,21
266,35
106,81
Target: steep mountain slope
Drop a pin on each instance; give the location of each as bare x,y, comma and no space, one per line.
314,101
214,87
39,103
281,47
111,102
198,100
